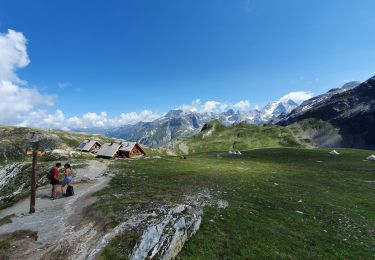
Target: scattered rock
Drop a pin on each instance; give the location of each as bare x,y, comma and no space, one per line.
164,230
300,201
235,152
299,212
165,238
184,148
222,204
83,179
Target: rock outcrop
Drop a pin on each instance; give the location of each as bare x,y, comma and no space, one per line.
164,230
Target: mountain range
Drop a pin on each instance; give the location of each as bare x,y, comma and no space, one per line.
184,123
350,109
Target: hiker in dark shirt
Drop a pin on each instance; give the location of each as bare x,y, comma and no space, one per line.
55,180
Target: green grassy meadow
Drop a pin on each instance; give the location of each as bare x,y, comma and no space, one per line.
217,137
283,202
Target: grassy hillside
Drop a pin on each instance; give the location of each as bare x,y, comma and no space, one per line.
15,165
73,140
17,181
15,140
217,137
283,202
317,132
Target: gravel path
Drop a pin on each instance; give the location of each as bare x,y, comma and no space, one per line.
64,230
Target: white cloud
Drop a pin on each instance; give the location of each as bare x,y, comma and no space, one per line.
213,106
13,55
207,107
88,120
102,119
16,99
243,105
42,119
134,117
57,120
298,96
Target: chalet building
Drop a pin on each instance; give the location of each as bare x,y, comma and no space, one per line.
120,150
131,150
90,146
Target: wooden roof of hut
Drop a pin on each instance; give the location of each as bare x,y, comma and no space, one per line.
120,150
87,144
109,149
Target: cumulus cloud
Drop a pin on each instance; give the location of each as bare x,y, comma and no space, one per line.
43,119
213,106
16,99
13,55
58,120
298,96
210,106
102,119
242,105
134,117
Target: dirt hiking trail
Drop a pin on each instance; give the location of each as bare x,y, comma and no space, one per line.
66,227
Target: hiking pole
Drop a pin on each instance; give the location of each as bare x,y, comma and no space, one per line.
33,181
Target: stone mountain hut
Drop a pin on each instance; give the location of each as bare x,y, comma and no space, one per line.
91,146
120,150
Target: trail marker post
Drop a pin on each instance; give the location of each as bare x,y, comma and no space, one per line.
35,145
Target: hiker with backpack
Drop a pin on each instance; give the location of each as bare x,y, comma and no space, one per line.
53,176
68,173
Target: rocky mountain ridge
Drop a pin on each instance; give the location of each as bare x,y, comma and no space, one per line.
179,123
351,110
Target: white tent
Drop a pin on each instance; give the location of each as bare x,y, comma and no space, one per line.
371,158
334,152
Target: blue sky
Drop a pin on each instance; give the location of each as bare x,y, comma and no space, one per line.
124,56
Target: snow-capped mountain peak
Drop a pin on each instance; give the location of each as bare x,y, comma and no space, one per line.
277,108
179,123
